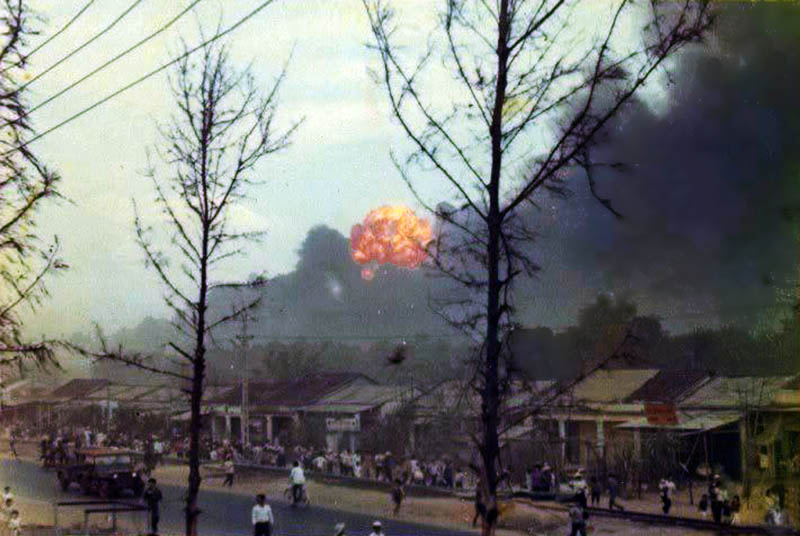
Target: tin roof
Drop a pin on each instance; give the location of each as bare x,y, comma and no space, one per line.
737,392
669,386
295,392
356,398
613,385
78,388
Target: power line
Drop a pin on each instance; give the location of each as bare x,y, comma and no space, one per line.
106,64
46,41
84,45
140,79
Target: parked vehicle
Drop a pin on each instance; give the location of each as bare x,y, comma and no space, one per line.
106,472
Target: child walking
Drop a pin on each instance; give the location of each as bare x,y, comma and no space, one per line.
398,494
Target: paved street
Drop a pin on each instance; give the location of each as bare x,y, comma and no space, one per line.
223,513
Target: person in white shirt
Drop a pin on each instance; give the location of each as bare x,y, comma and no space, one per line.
14,524
262,517
377,529
230,470
297,479
319,463
158,450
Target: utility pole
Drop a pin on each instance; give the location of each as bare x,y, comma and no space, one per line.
244,339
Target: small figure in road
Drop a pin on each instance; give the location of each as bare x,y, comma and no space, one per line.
262,517
7,494
398,494
152,497
230,469
577,518
580,498
12,444
480,507
665,488
297,479
736,505
377,529
43,448
613,490
703,505
716,494
594,489
14,524
8,507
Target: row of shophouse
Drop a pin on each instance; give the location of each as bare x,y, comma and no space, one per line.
624,416
610,415
338,406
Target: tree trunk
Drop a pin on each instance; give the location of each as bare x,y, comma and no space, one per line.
194,450
490,449
198,376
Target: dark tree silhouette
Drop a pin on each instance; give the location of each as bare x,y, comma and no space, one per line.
534,96
25,185
224,125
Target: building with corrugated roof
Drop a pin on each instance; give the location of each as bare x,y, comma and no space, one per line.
333,407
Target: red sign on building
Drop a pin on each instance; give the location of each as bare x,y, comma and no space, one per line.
660,414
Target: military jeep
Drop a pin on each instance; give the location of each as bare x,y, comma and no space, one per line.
102,471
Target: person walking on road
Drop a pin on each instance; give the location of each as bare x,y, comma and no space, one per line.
12,444
613,490
480,507
152,497
665,488
398,494
297,479
594,489
377,529
703,506
230,470
715,492
262,517
577,518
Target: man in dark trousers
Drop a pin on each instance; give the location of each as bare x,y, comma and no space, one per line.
613,491
262,517
152,497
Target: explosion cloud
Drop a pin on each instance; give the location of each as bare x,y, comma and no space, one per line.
392,234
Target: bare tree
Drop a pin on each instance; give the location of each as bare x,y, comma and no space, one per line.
224,125
533,96
25,185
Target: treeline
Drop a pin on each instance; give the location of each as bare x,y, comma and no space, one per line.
601,327
539,352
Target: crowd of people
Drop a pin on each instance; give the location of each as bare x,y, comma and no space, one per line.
384,466
398,471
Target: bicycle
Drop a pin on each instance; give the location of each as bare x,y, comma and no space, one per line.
303,499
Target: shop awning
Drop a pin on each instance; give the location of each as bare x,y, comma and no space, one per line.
687,421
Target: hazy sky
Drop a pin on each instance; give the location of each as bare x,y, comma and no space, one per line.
336,170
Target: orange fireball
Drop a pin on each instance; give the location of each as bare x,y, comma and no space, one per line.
391,234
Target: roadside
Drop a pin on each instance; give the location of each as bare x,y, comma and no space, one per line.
519,517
